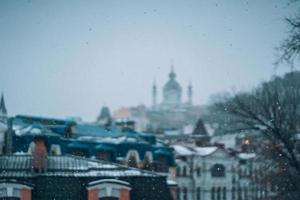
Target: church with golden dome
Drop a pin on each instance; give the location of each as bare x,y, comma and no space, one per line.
172,94
172,113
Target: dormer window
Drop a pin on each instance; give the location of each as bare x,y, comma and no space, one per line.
55,150
107,156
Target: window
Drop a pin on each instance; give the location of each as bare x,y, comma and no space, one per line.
233,180
212,193
147,163
16,192
178,171
132,161
178,193
198,171
239,193
218,170
240,172
256,192
224,193
3,192
233,193
272,187
245,172
104,156
184,171
246,193
218,193
198,193
185,194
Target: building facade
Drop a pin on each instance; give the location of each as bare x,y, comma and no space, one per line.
214,173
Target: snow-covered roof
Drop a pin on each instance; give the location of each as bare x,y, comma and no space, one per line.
21,165
204,151
181,150
188,129
229,140
246,156
171,182
210,130
111,140
172,132
34,130
119,140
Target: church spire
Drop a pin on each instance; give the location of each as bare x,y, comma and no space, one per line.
172,74
190,94
3,110
154,94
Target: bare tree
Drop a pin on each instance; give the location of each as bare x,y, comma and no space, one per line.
272,109
290,47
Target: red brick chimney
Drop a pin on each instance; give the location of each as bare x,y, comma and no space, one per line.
40,154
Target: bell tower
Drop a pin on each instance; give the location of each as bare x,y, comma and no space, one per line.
154,95
190,94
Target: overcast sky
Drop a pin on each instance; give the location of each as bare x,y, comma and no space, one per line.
69,58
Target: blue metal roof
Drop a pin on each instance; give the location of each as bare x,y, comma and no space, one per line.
105,147
78,145
93,130
119,142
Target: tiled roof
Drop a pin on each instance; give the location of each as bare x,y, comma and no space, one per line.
22,165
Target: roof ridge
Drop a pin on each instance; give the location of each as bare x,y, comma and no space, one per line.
112,163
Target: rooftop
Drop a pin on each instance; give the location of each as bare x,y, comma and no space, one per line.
22,166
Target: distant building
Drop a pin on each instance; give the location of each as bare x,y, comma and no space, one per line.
169,115
172,113
104,119
172,94
137,114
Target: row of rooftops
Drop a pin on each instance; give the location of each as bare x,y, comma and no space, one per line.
36,172
91,138
16,167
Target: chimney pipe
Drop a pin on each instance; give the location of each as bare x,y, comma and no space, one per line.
40,154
